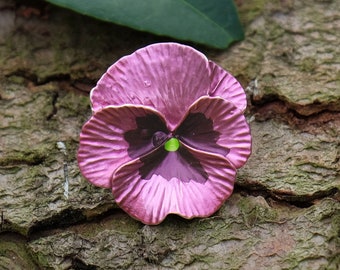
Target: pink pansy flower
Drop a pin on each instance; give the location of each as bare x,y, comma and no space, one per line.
167,133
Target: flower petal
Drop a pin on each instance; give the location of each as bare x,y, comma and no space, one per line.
226,86
114,136
149,189
166,76
215,125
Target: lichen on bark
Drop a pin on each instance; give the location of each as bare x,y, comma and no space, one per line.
247,233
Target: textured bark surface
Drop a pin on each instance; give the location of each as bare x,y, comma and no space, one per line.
285,211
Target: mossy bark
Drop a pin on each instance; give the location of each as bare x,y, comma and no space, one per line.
285,211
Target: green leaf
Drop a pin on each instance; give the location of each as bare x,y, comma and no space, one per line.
211,22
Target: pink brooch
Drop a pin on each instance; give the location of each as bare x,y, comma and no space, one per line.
167,133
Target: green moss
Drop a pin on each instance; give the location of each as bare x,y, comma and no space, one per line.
308,64
41,259
16,80
30,155
249,10
256,211
320,240
270,88
70,104
14,255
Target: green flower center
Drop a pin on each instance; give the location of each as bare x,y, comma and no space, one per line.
172,145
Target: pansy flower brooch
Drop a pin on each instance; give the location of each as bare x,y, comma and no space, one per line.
167,133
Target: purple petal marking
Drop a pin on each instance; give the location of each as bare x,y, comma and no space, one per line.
166,76
198,132
150,133
173,164
151,200
102,146
229,131
227,87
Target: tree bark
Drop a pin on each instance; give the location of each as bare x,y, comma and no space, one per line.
284,213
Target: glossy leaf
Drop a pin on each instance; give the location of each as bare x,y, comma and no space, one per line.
214,23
